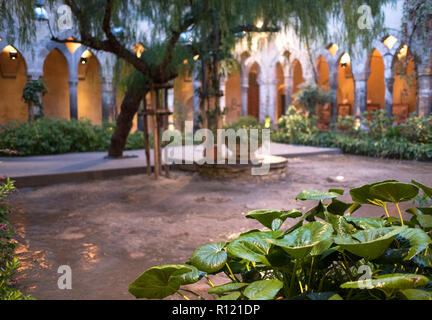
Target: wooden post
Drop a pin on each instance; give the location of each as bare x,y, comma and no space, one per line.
165,126
146,137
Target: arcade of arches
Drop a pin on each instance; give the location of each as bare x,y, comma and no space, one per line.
337,77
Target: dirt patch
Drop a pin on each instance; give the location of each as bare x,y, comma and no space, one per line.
110,231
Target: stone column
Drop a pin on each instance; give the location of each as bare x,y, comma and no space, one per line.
222,101
389,81
196,85
334,84
360,93
244,92
108,100
424,107
73,97
288,83
171,107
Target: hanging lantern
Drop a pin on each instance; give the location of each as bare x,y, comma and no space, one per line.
39,10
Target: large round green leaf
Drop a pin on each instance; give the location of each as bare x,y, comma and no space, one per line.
316,195
417,241
210,258
266,217
229,287
367,223
231,297
371,243
263,290
158,282
417,294
394,192
363,194
427,191
252,247
392,281
301,241
193,276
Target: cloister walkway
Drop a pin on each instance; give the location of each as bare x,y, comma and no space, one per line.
80,167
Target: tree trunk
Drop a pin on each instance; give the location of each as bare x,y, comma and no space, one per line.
129,108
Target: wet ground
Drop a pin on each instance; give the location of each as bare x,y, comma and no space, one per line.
111,231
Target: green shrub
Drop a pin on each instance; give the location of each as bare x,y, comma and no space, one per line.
8,264
57,136
328,254
411,140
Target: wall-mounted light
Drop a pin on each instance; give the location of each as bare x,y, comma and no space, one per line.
85,57
390,41
13,55
39,10
196,57
260,24
345,60
118,31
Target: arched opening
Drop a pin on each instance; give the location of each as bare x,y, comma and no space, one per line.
376,83
280,92
233,96
56,76
323,111
297,78
12,82
183,98
404,86
89,89
345,92
253,91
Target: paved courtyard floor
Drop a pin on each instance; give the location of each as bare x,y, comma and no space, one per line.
110,231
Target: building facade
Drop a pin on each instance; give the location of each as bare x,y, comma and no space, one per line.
81,82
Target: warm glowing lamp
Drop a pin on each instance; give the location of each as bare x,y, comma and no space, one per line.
403,52
345,60
260,24
85,56
390,41
333,48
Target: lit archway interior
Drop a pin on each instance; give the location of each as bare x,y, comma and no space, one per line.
323,111
297,77
280,92
404,86
376,83
233,98
183,98
12,82
253,91
56,76
345,93
89,89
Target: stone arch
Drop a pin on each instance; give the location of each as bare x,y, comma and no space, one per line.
297,75
56,77
323,72
405,94
13,78
376,86
89,88
281,106
253,108
345,92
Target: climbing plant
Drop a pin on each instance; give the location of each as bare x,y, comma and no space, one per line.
32,95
